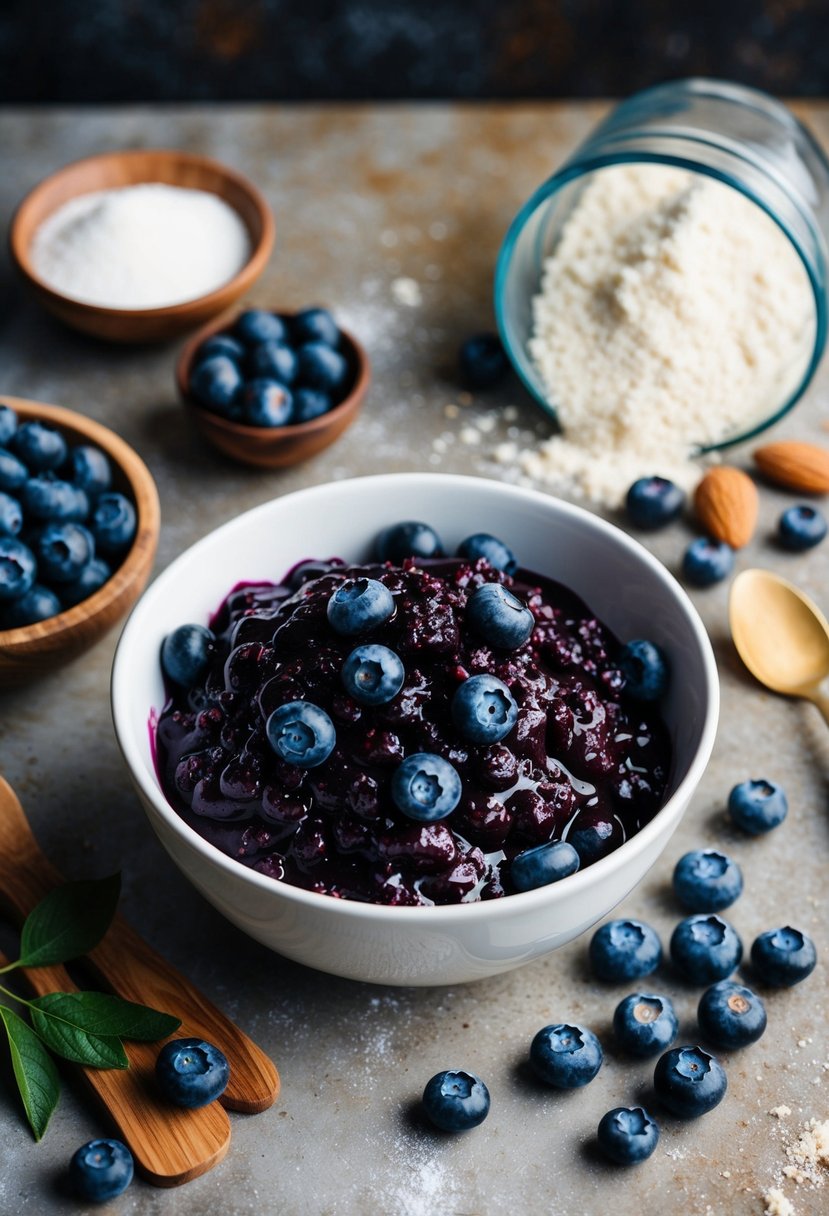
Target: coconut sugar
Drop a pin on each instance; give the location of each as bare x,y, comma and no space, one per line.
673,313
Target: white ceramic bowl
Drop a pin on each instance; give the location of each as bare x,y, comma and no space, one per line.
627,588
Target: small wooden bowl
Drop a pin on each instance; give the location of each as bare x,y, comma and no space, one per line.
115,169
35,649
274,447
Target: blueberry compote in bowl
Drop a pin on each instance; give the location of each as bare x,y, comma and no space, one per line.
353,864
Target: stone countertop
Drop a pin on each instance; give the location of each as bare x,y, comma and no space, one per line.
393,215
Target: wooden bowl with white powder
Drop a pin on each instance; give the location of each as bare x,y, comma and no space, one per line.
141,246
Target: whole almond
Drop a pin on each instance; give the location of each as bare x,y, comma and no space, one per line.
726,504
797,466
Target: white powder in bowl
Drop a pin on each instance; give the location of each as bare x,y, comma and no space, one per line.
673,313
145,246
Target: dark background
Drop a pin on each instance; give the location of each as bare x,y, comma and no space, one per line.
180,50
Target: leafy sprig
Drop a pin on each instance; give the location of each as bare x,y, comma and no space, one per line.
84,1027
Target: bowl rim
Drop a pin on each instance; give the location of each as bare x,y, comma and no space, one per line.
517,904
148,512
238,284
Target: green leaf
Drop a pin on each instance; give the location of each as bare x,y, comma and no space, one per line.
57,1019
71,920
78,1019
35,1073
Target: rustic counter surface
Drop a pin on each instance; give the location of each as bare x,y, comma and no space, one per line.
393,215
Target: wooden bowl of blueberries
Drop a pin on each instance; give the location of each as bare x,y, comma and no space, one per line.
79,524
271,389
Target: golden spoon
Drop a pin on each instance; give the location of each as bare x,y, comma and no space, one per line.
781,636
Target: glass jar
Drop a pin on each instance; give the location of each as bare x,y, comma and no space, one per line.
739,136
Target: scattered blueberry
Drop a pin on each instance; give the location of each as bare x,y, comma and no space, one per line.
37,604
653,502
689,1082
758,806
644,1023
47,497
191,1073
706,948
481,544
645,669
627,1135
456,1101
100,1170
11,515
707,881
310,403
17,568
62,550
13,472
624,950
113,523
265,403
90,469
373,675
801,527
498,617
256,325
90,580
220,344
544,864
783,957
273,361
359,605
707,561
318,366
186,654
483,361
40,447
215,383
425,787
314,325
301,734
566,1056
8,424
731,1015
408,539
484,709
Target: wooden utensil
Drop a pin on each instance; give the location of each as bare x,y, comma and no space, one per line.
132,969
781,636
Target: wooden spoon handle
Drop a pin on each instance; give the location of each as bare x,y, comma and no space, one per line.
170,1145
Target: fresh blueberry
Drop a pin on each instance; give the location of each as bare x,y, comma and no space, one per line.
731,1015
358,605
566,1056
498,617
689,1082
8,424
191,1072
645,669
17,568
91,579
273,361
38,604
707,561
310,403
707,881
215,383
373,674
483,361
627,1135
800,528
301,734
624,950
47,497
783,957
318,366
113,523
484,709
425,787
62,551
644,1024
408,539
40,447
90,469
220,344
186,654
266,403
314,325
544,864
13,472
11,515
256,325
706,948
758,806
481,544
653,502
456,1101
100,1170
